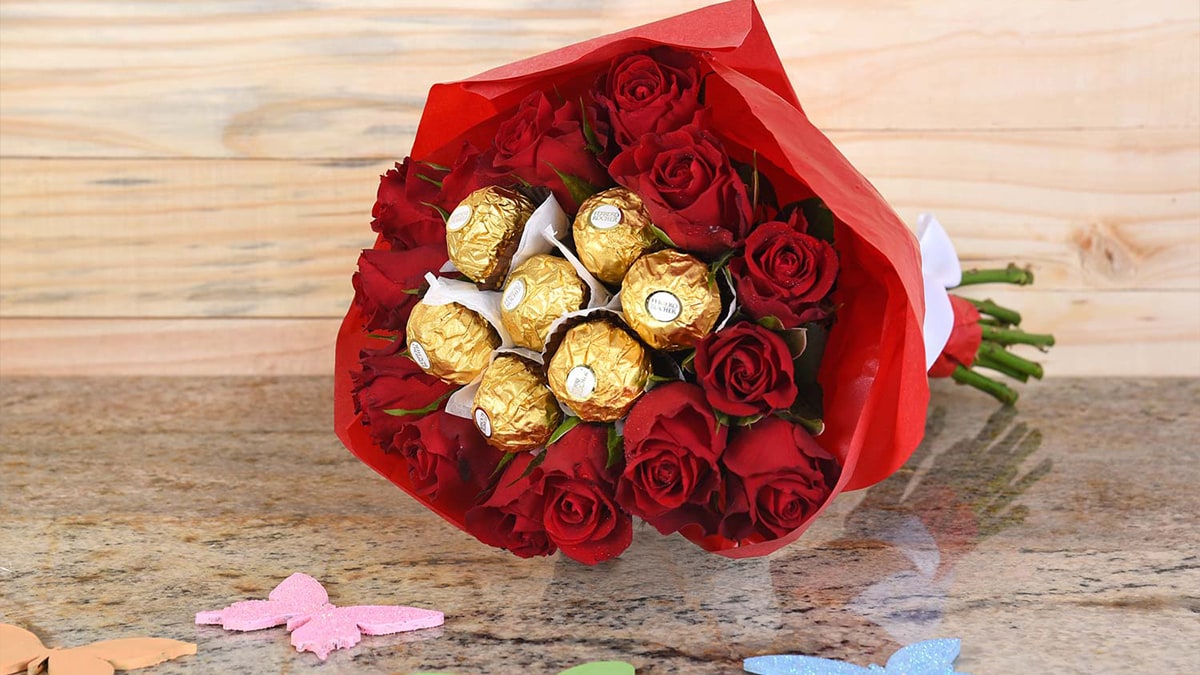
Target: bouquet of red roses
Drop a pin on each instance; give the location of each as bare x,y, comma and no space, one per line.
630,278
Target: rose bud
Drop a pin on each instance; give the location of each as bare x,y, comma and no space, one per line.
746,370
780,477
539,291
514,410
598,370
672,444
580,515
611,230
785,273
450,341
483,232
511,516
668,299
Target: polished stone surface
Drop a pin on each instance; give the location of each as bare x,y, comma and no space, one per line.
1060,538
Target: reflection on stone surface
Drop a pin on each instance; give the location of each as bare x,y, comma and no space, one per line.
893,565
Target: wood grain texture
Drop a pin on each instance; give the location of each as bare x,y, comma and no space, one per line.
1116,333
184,186
176,238
223,78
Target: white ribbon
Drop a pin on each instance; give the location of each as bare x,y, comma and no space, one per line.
940,270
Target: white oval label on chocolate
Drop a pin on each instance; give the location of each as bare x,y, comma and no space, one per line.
605,217
483,422
581,382
663,306
514,294
458,218
418,354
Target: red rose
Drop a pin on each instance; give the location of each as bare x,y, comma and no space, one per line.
511,517
785,273
390,380
651,92
965,338
746,370
580,513
387,282
541,141
472,170
689,187
672,444
401,213
448,461
778,478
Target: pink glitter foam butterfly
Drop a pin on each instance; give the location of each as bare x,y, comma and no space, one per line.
317,626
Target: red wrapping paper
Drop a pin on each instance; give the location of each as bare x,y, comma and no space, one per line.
873,372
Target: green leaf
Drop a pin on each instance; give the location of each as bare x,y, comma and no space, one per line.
537,461
413,291
819,217
749,420
655,379
616,447
601,668
724,418
436,167
432,181
770,323
568,424
796,339
688,362
401,412
719,264
589,132
442,212
578,188
381,336
662,236
504,461
809,362
754,184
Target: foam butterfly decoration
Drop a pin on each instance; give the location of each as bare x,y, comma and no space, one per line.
301,603
22,652
931,657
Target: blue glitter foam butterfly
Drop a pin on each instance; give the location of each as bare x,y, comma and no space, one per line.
931,657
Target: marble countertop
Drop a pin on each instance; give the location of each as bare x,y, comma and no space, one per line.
1058,538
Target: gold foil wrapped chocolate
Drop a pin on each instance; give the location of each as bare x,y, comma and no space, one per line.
513,409
598,369
668,300
483,232
450,341
538,292
612,229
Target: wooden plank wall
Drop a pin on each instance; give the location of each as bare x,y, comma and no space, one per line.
184,185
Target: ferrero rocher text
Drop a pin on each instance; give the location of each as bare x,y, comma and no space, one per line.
598,370
669,300
483,232
513,409
539,291
450,341
612,229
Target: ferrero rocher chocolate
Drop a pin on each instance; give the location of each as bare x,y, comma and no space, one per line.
668,300
513,409
598,370
537,292
450,341
483,232
612,229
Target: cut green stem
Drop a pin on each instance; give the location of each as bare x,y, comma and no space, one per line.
997,390
1009,275
997,354
1017,337
985,362
1002,314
